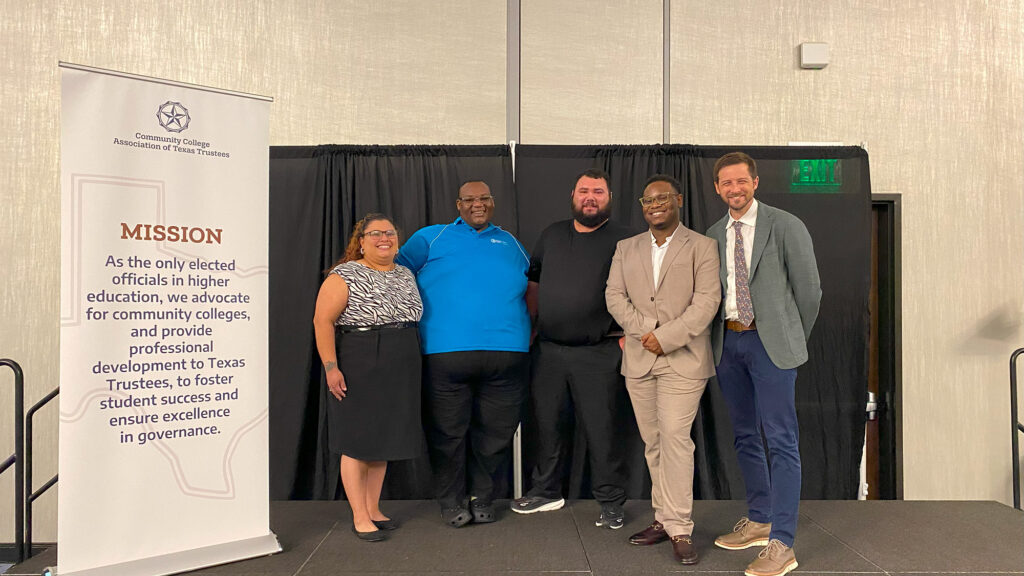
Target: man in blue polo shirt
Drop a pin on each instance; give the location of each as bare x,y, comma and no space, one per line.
475,333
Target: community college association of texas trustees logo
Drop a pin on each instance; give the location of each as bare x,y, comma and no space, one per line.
173,116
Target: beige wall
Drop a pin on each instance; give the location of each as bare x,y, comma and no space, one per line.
402,71
939,102
591,72
385,72
937,99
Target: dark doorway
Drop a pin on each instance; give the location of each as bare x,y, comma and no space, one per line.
884,468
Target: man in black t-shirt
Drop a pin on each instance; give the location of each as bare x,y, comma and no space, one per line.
578,356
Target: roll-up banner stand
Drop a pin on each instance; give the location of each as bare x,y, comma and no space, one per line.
163,342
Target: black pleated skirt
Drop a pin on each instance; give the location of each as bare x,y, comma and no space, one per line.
379,418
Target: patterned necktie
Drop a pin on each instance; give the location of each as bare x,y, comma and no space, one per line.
744,307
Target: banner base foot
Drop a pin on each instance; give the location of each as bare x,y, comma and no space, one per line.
183,561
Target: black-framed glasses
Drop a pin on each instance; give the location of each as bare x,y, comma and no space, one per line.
377,233
657,199
481,199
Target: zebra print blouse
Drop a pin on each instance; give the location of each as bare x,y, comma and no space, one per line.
378,297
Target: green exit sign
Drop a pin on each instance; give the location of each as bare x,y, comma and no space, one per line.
821,175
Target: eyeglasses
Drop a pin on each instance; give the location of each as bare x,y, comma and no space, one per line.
377,233
481,199
658,199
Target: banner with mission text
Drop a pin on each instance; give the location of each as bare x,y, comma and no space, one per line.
163,389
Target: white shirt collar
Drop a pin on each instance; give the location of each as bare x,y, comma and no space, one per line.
654,241
749,218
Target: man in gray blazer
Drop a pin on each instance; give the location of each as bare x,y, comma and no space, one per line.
663,291
771,292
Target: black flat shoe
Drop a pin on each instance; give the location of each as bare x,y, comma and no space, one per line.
385,524
456,517
482,513
372,536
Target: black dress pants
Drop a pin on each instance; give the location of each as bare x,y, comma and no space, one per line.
472,404
589,375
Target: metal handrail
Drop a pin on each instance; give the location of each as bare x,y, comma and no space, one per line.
31,498
1016,427
18,458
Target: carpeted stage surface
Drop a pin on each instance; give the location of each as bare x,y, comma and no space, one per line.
891,537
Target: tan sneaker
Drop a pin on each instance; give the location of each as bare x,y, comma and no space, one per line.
775,560
745,533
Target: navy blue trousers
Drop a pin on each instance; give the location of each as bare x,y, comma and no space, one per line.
760,397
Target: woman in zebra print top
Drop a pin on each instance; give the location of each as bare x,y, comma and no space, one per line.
365,324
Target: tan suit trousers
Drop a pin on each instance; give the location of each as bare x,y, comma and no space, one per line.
665,405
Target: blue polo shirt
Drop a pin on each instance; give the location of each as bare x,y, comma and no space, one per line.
473,286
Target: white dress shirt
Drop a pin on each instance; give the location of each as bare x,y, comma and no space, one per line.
748,224
658,254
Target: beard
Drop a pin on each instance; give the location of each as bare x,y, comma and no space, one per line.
591,220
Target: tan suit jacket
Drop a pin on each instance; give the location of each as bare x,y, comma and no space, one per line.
678,310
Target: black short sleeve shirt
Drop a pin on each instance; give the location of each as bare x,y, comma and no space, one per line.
571,269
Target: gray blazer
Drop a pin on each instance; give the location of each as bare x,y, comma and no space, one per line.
784,285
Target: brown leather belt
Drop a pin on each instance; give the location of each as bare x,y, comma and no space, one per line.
737,327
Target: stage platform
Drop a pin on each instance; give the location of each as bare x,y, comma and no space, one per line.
846,537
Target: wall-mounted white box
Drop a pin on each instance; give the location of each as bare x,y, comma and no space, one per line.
813,55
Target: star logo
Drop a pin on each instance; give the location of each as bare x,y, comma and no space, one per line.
173,116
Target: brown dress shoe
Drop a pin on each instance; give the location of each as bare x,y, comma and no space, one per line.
684,550
651,535
775,560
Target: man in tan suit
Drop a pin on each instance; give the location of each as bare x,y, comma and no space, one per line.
663,289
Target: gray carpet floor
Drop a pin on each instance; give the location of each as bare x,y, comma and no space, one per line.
835,538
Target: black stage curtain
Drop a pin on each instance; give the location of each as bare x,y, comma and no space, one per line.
317,193
829,188
545,176
834,200
316,196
